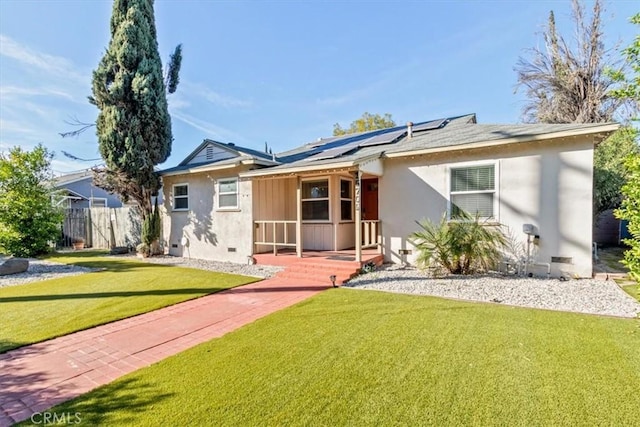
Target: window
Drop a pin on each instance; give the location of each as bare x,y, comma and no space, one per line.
98,202
181,197
346,200
473,190
228,193
315,200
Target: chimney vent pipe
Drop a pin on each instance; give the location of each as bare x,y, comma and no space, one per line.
409,130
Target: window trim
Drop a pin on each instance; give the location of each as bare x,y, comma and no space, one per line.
352,199
496,187
328,199
173,196
219,193
106,202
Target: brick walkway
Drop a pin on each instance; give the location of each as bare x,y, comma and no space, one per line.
37,377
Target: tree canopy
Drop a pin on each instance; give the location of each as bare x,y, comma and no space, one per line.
133,126
365,123
29,221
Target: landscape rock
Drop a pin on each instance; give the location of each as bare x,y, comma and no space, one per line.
14,266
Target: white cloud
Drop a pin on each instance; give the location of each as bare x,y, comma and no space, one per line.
51,64
212,131
224,101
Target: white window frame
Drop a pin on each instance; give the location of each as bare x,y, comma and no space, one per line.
317,199
91,199
495,191
352,199
228,193
173,194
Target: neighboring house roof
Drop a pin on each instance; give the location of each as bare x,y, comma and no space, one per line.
446,134
62,180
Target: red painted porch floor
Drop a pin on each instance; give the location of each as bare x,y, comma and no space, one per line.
36,377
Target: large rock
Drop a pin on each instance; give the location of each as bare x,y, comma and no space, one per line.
14,266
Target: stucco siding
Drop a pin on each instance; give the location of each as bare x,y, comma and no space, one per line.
209,232
548,185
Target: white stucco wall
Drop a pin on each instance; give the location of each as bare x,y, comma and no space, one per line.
545,184
212,233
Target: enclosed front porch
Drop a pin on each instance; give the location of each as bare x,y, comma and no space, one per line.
310,213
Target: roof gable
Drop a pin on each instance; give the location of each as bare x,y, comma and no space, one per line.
210,151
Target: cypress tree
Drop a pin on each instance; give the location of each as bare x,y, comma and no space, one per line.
133,126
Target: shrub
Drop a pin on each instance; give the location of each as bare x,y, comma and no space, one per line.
463,246
630,210
29,221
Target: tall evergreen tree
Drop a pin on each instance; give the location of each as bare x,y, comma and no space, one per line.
133,126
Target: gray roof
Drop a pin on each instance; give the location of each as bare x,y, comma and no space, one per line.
457,132
62,180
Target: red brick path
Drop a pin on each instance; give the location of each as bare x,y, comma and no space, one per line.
37,377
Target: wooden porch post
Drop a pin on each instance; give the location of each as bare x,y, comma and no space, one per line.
358,213
299,218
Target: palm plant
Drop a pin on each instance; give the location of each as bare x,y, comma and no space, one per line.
463,246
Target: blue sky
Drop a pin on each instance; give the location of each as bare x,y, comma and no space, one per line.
281,72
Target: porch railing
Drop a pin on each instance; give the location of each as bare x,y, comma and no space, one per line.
371,234
274,233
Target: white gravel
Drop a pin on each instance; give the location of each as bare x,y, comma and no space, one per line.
43,270
255,270
583,296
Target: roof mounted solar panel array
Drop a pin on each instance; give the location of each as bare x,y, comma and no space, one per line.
382,139
434,124
333,152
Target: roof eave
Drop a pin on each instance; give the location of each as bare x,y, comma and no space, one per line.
596,131
206,168
298,169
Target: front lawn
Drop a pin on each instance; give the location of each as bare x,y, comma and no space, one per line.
348,357
42,310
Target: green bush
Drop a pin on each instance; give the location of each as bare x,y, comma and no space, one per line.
463,246
630,210
29,221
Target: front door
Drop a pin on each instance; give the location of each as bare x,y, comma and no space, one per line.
370,199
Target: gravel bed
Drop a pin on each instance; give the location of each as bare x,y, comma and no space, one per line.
262,271
42,270
583,296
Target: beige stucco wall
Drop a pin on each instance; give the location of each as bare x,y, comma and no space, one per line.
211,233
548,185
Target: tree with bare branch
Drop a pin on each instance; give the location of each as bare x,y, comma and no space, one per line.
569,82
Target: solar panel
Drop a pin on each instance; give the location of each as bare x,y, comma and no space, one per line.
385,138
333,152
434,124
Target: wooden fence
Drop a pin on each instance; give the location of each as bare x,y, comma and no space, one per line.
101,228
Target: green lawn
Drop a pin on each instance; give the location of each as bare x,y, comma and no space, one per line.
42,310
348,357
633,290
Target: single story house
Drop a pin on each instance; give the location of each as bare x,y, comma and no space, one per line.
366,190
78,191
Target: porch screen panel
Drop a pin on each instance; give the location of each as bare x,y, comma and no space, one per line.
315,200
346,200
